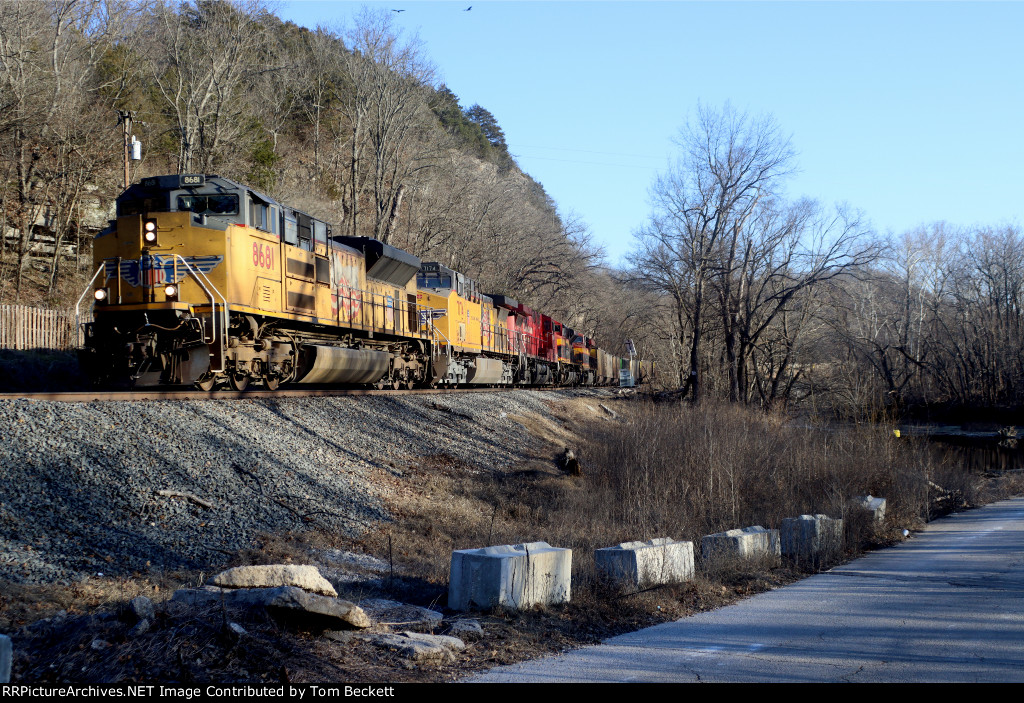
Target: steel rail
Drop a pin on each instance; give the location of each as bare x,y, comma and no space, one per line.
192,394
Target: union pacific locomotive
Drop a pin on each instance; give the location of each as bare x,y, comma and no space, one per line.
202,280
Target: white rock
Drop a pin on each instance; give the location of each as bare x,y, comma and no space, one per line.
390,611
466,629
307,578
420,647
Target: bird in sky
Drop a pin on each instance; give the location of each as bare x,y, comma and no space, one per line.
398,10
468,8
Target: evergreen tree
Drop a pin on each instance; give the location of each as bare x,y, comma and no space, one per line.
489,125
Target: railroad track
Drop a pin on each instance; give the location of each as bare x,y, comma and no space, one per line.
193,394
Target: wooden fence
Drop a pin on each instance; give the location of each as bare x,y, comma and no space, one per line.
24,327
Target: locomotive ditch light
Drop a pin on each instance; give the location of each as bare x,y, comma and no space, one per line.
101,295
149,231
171,291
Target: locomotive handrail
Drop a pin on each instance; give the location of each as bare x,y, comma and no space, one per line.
225,310
433,327
88,287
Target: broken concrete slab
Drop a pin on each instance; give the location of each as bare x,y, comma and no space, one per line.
393,612
644,564
212,595
297,606
6,654
419,647
289,602
811,539
515,576
746,543
306,577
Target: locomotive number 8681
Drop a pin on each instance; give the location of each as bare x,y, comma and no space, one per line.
202,280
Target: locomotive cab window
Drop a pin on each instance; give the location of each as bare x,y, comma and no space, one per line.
140,206
259,214
433,280
209,204
291,229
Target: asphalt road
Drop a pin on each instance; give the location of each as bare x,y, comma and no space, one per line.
946,605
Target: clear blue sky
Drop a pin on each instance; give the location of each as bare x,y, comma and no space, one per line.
911,112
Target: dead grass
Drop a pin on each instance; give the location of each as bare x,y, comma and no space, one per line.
22,604
652,471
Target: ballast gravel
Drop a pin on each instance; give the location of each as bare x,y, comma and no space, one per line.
80,483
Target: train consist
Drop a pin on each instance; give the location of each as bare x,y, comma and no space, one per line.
202,280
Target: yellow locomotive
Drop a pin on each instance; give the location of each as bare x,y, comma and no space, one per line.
202,280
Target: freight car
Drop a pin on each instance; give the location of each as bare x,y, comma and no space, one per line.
202,280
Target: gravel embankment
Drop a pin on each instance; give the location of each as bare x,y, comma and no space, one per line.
79,482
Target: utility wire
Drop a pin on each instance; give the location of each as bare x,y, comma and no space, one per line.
587,163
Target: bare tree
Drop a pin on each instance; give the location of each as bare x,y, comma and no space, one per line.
49,53
384,106
203,59
730,162
321,79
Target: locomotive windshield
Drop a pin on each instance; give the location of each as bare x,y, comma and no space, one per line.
140,206
433,280
209,204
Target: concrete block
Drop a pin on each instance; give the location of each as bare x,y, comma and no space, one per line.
5,659
811,539
516,576
644,564
750,542
875,506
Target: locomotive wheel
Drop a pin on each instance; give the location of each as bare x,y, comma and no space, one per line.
239,381
206,382
271,383
385,384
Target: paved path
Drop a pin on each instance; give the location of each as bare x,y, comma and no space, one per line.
946,605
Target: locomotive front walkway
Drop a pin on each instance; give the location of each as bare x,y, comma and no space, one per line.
946,605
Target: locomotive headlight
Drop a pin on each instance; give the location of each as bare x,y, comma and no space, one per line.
149,231
100,294
171,291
